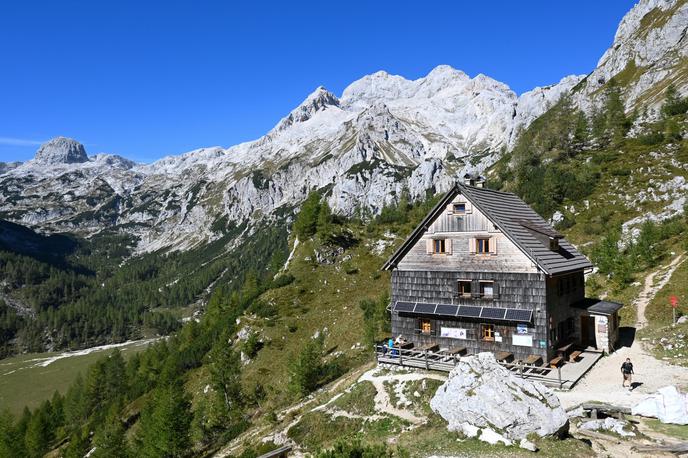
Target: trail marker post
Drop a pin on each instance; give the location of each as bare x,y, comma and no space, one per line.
674,303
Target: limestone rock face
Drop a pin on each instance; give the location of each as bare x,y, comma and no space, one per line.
668,405
482,397
61,150
649,51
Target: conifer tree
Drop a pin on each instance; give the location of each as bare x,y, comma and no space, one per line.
109,441
165,423
225,372
306,223
306,369
11,440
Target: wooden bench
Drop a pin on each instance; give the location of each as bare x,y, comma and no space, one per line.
573,357
504,356
534,360
563,350
452,351
430,347
556,362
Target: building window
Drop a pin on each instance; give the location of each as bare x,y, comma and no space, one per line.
488,332
459,209
465,288
425,327
486,289
482,246
439,246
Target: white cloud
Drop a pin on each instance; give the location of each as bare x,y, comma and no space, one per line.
19,141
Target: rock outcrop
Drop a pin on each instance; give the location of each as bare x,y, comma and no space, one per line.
61,150
648,53
485,400
669,405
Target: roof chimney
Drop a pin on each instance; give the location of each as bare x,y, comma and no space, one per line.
474,180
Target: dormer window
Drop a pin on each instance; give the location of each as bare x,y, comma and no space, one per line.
554,244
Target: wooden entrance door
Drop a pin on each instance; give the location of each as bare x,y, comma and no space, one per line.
588,331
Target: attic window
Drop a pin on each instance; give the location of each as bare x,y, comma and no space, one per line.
459,209
439,246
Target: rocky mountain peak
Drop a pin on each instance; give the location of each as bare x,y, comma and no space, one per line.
318,100
61,150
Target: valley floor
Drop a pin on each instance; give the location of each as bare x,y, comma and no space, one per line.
29,379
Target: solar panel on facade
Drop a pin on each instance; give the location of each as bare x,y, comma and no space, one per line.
401,306
446,309
424,308
469,311
493,313
519,315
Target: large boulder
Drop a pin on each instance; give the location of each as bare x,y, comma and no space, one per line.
481,398
669,405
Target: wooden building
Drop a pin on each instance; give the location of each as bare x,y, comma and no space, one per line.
484,272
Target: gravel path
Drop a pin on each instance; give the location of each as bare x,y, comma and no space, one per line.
603,382
382,400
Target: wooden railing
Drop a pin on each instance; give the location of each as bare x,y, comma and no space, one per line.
442,361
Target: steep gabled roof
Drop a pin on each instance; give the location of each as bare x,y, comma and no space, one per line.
519,223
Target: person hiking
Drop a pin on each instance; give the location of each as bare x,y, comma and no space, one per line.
627,371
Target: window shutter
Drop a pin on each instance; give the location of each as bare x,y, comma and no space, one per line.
495,290
428,246
472,246
469,207
475,288
450,209
448,246
493,245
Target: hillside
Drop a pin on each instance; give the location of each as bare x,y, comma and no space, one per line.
262,261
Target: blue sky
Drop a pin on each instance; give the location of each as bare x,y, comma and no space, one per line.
146,79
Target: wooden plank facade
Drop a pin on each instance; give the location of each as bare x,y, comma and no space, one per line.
462,255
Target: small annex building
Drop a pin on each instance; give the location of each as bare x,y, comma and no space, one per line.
484,271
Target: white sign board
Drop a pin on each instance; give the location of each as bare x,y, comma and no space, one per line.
453,333
522,341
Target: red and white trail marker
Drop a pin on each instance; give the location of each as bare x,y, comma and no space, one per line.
673,300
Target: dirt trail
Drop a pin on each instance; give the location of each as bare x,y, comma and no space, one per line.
382,400
603,382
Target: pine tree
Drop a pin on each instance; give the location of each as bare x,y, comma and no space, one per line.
306,369
109,441
78,445
581,133
165,423
673,103
306,223
11,443
225,372
38,432
616,121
